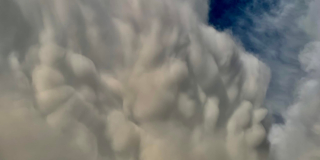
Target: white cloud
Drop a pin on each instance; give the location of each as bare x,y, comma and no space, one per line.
132,79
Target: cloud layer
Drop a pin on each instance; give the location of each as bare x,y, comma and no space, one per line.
126,79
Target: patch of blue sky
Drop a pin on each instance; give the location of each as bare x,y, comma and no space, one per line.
267,29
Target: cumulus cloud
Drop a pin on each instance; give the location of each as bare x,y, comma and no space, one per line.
128,79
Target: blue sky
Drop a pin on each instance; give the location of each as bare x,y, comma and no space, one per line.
239,16
265,28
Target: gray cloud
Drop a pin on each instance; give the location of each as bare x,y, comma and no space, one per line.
128,79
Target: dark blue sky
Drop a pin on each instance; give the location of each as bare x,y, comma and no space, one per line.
277,43
238,16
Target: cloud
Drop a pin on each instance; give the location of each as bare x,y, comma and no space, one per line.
297,139
129,79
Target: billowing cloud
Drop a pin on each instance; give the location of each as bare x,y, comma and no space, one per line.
127,79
